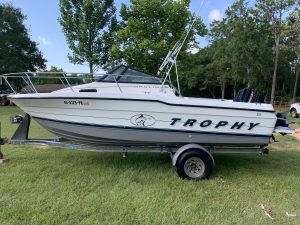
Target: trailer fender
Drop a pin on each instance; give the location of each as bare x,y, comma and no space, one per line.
189,147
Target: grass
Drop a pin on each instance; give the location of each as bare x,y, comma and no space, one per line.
55,186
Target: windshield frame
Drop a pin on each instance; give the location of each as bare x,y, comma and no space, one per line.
112,77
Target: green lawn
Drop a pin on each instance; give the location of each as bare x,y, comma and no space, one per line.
43,185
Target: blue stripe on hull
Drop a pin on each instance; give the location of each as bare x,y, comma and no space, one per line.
112,135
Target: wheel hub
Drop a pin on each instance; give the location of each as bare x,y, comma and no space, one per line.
194,167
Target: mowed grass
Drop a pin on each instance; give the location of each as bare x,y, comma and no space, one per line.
42,185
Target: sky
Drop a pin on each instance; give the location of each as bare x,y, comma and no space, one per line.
44,28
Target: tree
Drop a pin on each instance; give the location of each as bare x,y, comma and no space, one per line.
197,77
55,69
150,29
273,12
240,54
88,25
293,43
17,51
48,78
246,42
242,46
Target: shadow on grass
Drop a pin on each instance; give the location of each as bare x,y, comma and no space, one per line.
94,161
229,165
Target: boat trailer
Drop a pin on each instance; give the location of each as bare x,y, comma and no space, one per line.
192,161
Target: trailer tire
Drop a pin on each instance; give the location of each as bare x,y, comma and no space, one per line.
194,164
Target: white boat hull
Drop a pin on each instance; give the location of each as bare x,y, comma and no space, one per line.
130,120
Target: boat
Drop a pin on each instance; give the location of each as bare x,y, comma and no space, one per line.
129,107
137,111
132,111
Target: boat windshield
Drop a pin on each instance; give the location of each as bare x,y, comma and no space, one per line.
124,74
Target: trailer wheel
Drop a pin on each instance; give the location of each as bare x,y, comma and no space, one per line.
194,165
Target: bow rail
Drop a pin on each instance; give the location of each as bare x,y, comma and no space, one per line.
27,81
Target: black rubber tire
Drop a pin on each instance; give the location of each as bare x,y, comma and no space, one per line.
294,113
187,155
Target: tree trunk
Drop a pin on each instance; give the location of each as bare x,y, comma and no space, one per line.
296,80
91,67
249,70
212,93
223,90
277,39
234,90
266,97
90,51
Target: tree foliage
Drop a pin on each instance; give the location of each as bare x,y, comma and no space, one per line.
87,25
273,12
17,51
197,74
239,46
49,78
241,53
293,43
149,29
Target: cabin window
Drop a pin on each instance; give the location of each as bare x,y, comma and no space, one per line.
128,75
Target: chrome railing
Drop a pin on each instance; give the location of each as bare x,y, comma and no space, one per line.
27,81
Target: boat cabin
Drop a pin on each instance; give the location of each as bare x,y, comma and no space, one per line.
123,79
